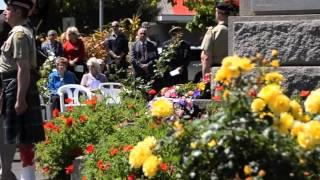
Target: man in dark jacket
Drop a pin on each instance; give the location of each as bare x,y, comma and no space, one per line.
143,55
178,65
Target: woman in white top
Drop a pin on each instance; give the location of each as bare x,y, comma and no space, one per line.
94,77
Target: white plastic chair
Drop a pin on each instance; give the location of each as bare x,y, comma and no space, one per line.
73,91
111,91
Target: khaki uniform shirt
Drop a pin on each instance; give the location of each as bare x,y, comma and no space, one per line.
20,46
216,42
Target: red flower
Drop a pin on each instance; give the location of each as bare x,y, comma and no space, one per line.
216,98
219,88
83,118
92,101
164,167
103,166
90,149
69,121
55,112
131,177
84,178
68,100
114,151
70,108
69,169
304,93
51,126
127,148
45,169
152,92
252,93
207,77
173,95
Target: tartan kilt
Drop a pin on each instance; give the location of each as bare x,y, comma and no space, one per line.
28,127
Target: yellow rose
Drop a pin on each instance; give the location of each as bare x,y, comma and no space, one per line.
273,77
245,64
162,108
247,170
275,63
296,110
274,53
223,75
262,173
212,143
269,92
285,122
138,155
313,128
297,128
193,145
151,166
306,118
312,103
279,104
304,140
149,142
257,105
201,86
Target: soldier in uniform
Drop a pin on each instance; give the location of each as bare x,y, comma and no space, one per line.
215,42
6,150
21,112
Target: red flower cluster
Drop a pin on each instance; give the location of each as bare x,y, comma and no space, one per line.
127,148
55,112
304,93
69,169
51,126
207,78
216,98
83,118
69,108
103,166
92,101
152,92
252,93
164,167
90,149
114,151
45,169
69,121
219,88
68,100
131,177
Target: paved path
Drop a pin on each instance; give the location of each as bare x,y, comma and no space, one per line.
16,168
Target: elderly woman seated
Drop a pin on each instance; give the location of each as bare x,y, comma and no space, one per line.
59,77
94,77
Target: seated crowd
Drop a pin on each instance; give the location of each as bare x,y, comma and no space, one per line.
72,66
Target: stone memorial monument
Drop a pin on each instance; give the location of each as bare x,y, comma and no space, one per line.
290,26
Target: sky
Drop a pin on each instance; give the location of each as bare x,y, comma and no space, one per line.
2,4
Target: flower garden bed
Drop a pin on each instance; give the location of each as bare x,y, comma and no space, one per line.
250,130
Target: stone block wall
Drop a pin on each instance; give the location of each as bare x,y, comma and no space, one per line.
297,37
